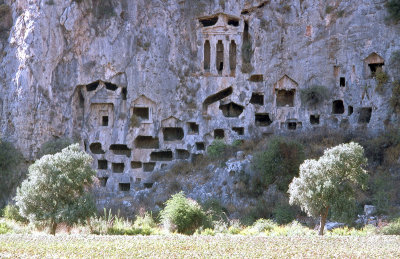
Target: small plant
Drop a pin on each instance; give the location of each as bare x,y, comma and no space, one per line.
262,225
395,61
393,228
217,149
182,214
4,228
381,79
393,8
11,212
329,9
395,99
314,95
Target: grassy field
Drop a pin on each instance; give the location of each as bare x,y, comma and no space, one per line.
178,246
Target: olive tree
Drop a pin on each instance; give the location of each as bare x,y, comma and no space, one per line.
330,182
57,189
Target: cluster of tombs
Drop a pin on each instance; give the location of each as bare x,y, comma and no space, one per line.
129,141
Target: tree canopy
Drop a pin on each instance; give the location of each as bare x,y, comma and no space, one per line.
330,182
56,189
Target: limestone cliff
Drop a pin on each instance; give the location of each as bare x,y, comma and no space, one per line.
147,82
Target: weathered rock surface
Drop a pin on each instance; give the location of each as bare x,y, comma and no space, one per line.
145,83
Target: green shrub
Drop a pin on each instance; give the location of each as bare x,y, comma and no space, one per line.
393,8
262,225
104,9
4,228
11,212
314,95
54,146
393,228
217,149
381,79
329,9
395,98
279,163
284,213
395,62
182,214
215,211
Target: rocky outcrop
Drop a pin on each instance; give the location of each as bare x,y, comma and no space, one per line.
142,84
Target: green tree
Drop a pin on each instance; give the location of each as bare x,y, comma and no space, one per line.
330,182
54,146
57,189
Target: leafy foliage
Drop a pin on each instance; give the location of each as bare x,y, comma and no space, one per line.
4,228
314,95
11,212
279,163
395,98
393,228
182,214
216,149
56,190
381,79
329,182
11,171
393,8
54,146
284,214
395,62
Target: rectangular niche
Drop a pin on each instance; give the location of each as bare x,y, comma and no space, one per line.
136,164
103,181
172,134
365,115
146,142
193,128
124,187
101,114
256,78
118,167
262,119
142,112
314,119
120,149
293,125
257,98
285,98
342,82
238,130
182,154
165,155
148,167
200,146
102,164
219,134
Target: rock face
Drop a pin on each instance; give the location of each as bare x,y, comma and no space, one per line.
145,83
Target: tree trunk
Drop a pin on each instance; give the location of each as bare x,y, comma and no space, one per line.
53,227
323,216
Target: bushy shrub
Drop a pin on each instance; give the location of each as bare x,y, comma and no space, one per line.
393,228
4,228
284,213
395,63
262,225
11,171
54,146
314,95
217,149
393,8
381,79
182,214
11,212
395,98
279,163
215,211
